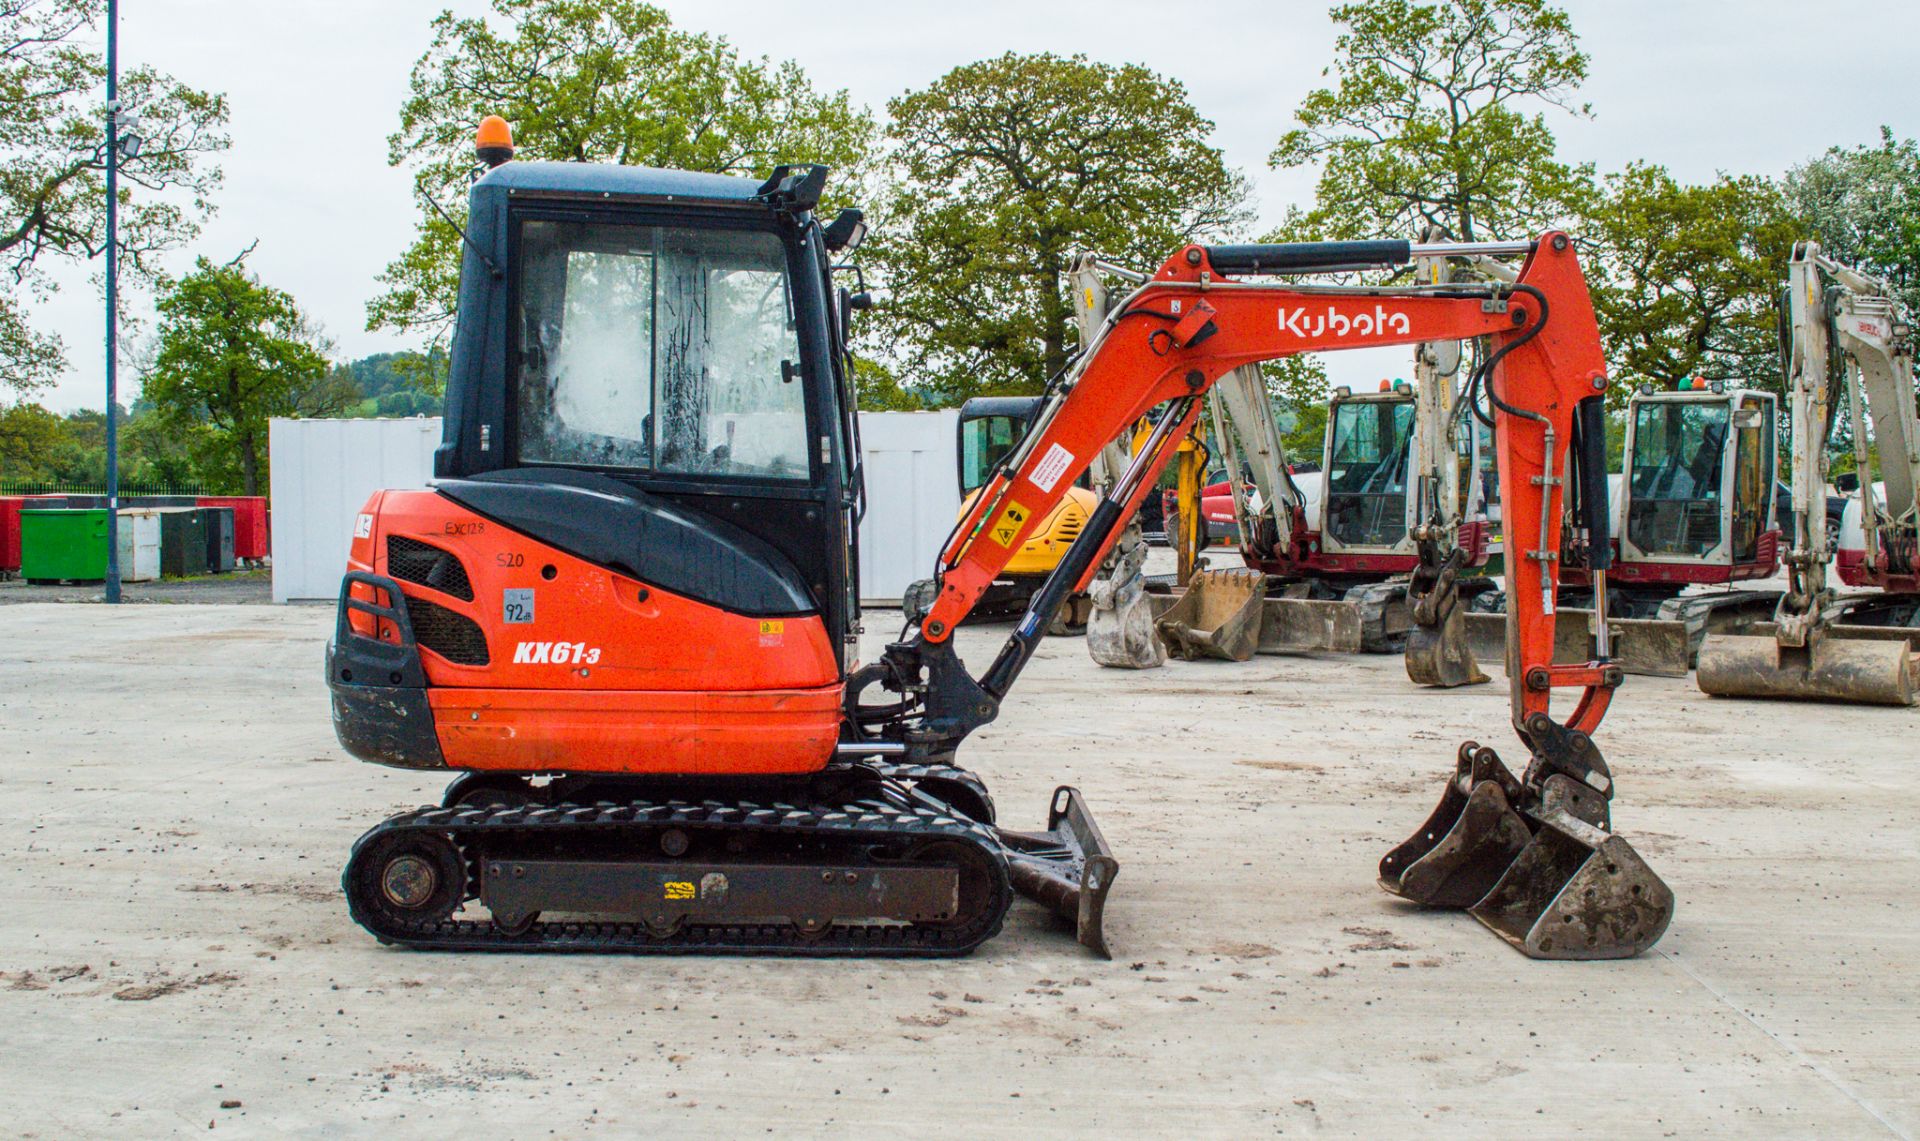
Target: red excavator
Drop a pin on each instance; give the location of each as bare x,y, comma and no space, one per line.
626,612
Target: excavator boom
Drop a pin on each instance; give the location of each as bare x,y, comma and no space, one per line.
1195,321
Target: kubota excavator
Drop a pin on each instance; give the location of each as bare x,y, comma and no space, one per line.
634,577
1842,327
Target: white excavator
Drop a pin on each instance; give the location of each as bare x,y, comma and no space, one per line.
1845,331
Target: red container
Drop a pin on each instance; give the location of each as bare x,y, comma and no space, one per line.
10,532
252,539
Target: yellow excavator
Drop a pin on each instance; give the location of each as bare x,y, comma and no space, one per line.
990,427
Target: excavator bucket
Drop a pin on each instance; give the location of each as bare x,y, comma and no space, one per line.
1576,891
1548,878
1218,617
1468,843
1067,869
1439,653
1869,671
1120,627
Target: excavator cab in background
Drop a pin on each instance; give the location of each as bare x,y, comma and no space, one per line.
1692,508
1366,507
989,428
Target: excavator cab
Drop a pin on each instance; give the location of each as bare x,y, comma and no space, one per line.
1699,481
1369,449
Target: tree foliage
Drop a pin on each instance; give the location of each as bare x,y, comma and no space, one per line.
1005,168
1687,276
1863,204
53,166
233,353
591,81
1438,118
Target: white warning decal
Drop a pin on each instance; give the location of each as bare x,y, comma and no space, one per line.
1051,467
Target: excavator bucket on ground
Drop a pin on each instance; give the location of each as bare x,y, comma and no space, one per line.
1541,870
1120,628
1877,669
1218,617
1438,649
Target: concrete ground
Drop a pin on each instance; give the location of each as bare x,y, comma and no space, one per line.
246,586
175,955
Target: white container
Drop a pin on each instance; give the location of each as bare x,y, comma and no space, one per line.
139,541
913,494
322,472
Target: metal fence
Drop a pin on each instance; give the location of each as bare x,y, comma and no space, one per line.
59,487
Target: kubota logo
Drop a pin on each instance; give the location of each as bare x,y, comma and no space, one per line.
555,654
1333,321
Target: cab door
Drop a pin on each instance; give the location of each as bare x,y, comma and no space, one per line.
1752,477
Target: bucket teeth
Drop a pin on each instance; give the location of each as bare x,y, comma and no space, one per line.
1540,869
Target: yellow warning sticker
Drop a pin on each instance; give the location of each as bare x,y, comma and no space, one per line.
1008,525
678,889
774,627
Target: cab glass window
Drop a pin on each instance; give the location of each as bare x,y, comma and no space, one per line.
657,348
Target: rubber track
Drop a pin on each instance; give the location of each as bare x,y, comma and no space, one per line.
854,824
915,774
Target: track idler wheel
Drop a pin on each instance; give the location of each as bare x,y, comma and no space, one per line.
409,880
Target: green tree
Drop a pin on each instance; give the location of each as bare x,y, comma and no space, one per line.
1687,278
53,163
1863,204
1297,389
590,81
1008,167
1439,118
29,437
234,352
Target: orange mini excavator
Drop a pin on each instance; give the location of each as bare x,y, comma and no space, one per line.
626,612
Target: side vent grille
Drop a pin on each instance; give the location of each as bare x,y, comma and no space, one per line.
452,635
411,560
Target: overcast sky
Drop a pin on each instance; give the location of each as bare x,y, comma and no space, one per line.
1742,86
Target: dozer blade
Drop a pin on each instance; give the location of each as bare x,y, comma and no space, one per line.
1308,626
1068,868
1440,654
1652,647
1865,670
1576,891
1469,841
1218,617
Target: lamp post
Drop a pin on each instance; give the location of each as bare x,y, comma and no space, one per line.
113,301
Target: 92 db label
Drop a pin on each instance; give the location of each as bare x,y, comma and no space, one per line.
516,607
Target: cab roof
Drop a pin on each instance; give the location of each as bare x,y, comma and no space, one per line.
625,181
